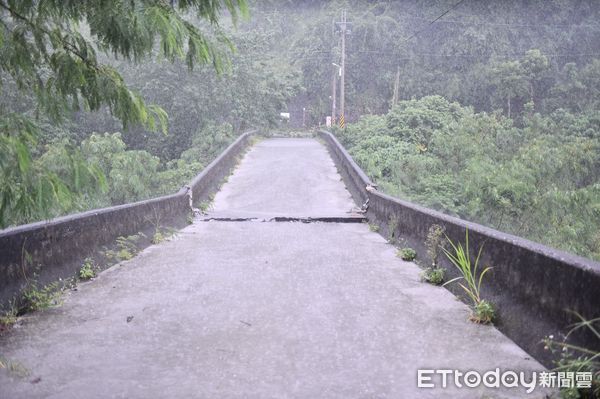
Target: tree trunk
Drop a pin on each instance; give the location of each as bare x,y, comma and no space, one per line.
531,94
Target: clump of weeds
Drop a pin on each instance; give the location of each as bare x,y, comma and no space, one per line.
434,274
407,254
471,277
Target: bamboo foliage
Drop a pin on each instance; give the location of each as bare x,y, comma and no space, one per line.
49,49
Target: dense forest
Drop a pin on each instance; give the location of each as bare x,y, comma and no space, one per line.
490,113
511,136
494,116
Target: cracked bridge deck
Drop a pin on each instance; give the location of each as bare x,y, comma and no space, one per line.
240,309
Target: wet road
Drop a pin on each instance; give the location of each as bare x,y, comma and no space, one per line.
259,309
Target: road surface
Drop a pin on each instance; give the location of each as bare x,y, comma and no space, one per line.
254,309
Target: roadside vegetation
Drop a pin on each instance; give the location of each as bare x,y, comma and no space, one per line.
537,178
470,279
407,254
508,138
434,273
577,359
35,296
494,117
167,97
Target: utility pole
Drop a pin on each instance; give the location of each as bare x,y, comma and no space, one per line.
343,30
343,74
333,96
333,83
338,72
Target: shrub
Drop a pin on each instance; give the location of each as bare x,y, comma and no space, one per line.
9,317
87,269
407,254
35,298
127,248
373,227
484,312
576,359
158,237
434,243
433,275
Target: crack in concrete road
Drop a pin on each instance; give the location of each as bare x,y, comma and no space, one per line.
308,219
260,310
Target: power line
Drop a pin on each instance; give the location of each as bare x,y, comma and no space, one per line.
438,18
435,20
446,21
481,56
325,53
533,25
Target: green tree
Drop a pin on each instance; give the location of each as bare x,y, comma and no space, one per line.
49,49
538,179
509,82
534,67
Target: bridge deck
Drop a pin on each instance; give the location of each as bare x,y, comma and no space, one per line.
291,177
259,310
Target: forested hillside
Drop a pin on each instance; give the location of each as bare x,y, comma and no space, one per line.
496,116
538,180
108,119
497,113
485,54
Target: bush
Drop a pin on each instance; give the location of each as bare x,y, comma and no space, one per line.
407,254
35,298
87,270
433,275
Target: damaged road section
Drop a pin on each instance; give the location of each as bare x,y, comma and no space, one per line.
357,218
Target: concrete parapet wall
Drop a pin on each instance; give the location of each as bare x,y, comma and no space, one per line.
49,250
356,180
532,285
210,179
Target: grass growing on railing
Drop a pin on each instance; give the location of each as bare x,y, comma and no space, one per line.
392,226
578,359
407,254
472,276
127,248
434,274
87,270
41,297
9,317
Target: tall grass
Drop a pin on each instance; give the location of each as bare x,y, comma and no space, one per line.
471,277
577,359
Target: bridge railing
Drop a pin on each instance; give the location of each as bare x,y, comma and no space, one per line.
531,284
50,250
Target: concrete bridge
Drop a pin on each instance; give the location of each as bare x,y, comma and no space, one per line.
279,291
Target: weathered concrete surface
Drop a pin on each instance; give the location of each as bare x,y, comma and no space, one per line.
57,248
260,310
257,310
293,177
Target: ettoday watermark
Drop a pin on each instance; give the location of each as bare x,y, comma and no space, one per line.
442,378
